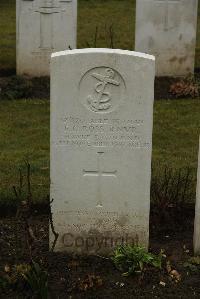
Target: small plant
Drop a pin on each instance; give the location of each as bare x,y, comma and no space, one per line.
37,280
187,87
193,264
109,37
171,197
195,260
171,187
4,283
18,87
133,259
14,275
32,275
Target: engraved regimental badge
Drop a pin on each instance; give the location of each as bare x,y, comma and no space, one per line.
102,89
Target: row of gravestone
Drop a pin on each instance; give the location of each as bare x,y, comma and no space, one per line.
101,144
164,28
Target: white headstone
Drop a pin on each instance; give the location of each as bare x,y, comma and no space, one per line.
101,141
197,212
43,27
167,29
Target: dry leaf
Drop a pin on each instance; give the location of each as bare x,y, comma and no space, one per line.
73,264
91,281
175,275
7,269
162,283
184,88
168,267
172,272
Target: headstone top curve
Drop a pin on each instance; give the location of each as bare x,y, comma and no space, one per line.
103,50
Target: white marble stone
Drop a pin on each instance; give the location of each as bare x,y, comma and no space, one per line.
167,29
197,212
101,141
43,27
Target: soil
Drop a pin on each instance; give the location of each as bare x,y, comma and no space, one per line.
96,276
17,87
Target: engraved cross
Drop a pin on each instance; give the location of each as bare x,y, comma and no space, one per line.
46,10
167,2
99,173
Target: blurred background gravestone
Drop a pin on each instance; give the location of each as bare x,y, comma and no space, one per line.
43,27
167,29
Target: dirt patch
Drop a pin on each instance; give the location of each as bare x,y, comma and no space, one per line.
96,277
4,72
16,87
163,87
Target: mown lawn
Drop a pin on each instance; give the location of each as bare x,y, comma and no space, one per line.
7,34
24,124
24,135
120,14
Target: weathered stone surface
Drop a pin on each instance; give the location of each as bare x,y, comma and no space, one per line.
43,27
197,212
101,141
167,29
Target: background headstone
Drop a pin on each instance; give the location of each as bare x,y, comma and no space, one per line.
167,29
43,27
101,141
197,212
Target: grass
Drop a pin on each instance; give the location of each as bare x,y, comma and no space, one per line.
24,124
24,134
7,35
120,14
176,132
198,41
